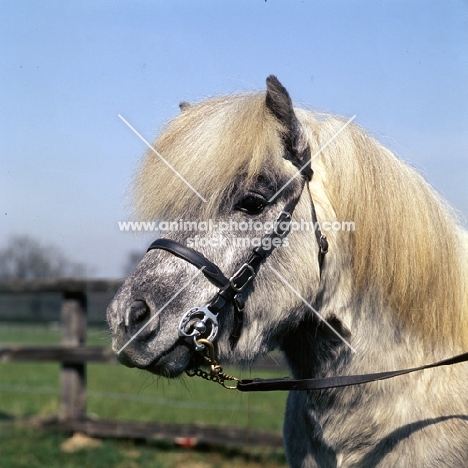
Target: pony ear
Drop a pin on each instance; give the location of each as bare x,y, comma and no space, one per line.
279,103
183,106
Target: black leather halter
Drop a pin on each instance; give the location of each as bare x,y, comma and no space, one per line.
200,321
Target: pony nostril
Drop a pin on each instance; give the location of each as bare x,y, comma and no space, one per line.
139,311
137,315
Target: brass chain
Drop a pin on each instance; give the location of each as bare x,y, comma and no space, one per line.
216,373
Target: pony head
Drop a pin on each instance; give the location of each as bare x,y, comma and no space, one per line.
238,152
221,172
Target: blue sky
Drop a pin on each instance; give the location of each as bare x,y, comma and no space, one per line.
67,69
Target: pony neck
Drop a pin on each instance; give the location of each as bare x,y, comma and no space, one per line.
380,342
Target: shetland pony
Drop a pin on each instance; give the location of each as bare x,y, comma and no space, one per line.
394,289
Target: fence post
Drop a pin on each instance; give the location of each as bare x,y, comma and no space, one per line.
73,376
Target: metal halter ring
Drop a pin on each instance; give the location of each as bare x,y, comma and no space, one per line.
207,322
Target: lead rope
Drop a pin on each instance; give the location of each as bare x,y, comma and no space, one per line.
255,385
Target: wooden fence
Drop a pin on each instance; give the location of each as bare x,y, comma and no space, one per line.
74,354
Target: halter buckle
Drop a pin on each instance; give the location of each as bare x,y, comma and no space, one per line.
238,273
206,321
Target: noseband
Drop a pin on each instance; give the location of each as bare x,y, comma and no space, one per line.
201,322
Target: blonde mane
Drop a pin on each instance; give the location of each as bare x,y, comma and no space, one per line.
407,244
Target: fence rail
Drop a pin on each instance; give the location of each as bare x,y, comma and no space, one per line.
60,353
59,285
74,354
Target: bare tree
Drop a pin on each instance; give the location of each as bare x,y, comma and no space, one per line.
26,258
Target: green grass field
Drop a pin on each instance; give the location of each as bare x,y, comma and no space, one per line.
27,448
116,392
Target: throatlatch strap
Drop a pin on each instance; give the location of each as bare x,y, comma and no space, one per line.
265,385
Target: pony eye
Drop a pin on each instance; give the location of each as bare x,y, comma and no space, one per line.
252,204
